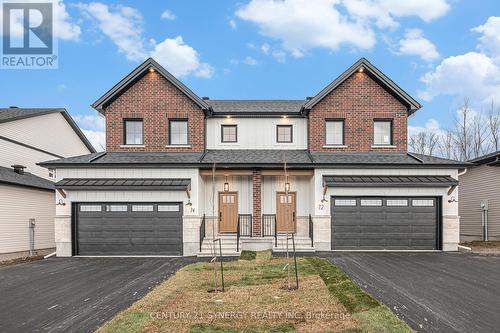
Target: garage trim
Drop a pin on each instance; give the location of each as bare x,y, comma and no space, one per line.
439,220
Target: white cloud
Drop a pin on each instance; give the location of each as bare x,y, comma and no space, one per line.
489,42
472,74
302,24
180,59
265,48
168,15
232,24
432,126
250,61
414,43
93,126
123,25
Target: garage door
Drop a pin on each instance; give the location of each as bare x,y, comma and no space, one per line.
368,223
128,229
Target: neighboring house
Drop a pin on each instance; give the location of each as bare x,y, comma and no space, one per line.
479,200
27,191
351,183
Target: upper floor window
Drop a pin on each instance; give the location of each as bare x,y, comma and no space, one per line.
178,132
134,132
382,132
335,132
284,133
229,133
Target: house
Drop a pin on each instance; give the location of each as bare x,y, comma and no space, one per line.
479,203
180,170
27,191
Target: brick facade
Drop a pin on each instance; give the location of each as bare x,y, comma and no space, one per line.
155,100
358,100
257,202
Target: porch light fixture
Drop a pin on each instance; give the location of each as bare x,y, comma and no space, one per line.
361,69
151,69
287,187
226,186
452,200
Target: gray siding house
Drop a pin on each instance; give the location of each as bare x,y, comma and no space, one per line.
479,199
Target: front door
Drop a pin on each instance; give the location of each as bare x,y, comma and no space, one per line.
286,211
228,211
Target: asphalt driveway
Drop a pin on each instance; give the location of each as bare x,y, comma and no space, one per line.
76,294
432,292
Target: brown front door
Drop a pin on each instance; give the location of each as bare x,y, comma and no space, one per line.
228,211
286,211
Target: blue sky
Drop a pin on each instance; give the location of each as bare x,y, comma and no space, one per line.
439,51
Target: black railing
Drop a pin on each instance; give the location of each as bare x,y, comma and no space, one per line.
311,230
269,227
244,228
202,230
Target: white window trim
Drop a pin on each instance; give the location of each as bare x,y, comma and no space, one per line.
384,146
335,146
136,146
178,146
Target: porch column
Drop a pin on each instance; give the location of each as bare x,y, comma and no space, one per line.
257,196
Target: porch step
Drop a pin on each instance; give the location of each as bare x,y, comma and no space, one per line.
228,245
302,244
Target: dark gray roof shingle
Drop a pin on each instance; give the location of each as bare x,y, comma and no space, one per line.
8,176
128,158
248,156
389,181
256,106
381,159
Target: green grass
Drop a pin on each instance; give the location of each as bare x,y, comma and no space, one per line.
204,328
248,255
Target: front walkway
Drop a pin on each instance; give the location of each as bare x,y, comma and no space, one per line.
76,294
432,292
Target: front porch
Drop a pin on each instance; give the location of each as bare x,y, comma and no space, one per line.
256,210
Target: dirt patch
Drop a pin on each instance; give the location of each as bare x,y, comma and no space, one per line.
489,247
20,260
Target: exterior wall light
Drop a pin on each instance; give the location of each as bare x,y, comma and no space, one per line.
151,69
361,69
287,187
226,186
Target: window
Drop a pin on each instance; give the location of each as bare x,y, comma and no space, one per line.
134,132
168,208
382,132
229,133
397,202
116,208
90,208
371,202
52,173
284,133
345,202
142,208
335,132
423,203
178,130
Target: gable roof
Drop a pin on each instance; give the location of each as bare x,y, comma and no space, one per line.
492,159
8,176
256,107
376,75
137,74
15,113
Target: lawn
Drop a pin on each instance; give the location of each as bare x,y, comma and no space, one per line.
257,299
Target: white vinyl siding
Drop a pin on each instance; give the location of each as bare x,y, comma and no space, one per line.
178,132
382,132
335,132
17,206
134,132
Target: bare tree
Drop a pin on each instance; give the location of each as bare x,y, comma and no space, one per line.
479,134
446,145
462,132
424,142
494,126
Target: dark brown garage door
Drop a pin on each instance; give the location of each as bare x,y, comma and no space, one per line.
128,229
385,223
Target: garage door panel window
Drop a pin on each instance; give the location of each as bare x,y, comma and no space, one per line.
345,202
397,202
168,208
371,202
90,208
142,208
422,203
116,208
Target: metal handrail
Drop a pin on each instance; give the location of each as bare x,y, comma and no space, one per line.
244,228
202,231
269,227
311,230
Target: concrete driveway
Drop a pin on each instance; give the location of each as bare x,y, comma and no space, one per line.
432,292
76,294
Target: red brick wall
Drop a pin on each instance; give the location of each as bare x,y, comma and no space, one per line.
257,202
155,100
359,100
